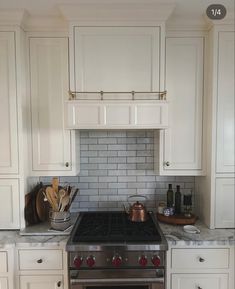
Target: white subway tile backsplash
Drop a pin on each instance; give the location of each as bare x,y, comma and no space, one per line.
115,165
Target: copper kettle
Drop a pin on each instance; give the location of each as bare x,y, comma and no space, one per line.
137,212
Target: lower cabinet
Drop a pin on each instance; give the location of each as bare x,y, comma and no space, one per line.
42,268
200,268
199,281
39,282
7,269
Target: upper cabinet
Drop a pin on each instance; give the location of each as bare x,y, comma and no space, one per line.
182,143
116,59
225,103
8,109
52,145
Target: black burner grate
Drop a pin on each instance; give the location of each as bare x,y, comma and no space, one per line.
114,227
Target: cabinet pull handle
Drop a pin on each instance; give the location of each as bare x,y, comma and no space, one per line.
201,260
59,284
167,164
67,164
39,261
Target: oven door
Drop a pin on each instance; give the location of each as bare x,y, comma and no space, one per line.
117,279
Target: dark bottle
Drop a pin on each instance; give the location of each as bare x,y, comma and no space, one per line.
170,196
178,200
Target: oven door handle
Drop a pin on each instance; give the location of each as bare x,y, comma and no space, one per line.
119,280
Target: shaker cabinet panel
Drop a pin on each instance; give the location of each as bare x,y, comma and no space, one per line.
8,109
51,143
225,103
116,58
9,207
182,142
197,281
224,203
39,282
3,283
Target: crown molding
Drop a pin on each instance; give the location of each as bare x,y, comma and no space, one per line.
13,17
117,12
47,23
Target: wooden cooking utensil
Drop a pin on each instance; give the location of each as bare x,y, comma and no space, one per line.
51,198
55,184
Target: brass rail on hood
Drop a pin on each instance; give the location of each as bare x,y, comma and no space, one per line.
159,95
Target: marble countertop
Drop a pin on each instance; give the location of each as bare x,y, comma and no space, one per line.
175,235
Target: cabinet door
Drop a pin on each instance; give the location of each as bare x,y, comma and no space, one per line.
197,281
116,58
8,111
224,203
182,142
51,143
225,104
39,282
9,205
3,283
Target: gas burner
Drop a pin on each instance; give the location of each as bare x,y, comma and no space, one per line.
112,227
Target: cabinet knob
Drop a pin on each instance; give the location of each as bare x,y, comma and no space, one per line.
67,164
167,164
201,260
39,261
199,287
59,284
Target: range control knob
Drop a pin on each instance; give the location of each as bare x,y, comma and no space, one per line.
90,261
77,261
117,261
156,261
143,261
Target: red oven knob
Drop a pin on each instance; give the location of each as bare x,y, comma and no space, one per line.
77,261
143,261
90,261
117,261
156,261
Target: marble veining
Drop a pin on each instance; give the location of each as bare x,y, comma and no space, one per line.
175,235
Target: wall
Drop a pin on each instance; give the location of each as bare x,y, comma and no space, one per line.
115,165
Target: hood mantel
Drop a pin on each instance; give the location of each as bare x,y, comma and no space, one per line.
118,12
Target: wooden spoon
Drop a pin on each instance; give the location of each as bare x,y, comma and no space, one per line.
52,199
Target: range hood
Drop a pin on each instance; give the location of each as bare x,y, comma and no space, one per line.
117,66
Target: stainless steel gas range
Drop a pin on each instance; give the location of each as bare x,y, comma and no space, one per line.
108,251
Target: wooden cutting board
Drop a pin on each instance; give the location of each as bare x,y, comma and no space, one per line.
42,207
177,219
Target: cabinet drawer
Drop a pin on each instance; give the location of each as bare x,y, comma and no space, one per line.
3,262
200,258
40,260
197,281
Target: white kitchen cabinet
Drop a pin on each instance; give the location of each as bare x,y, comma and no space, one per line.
225,103
52,145
44,267
216,190
181,144
224,207
3,283
113,59
8,109
206,267
9,205
116,114
39,282
7,268
199,281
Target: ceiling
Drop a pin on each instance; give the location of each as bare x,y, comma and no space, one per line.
184,8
